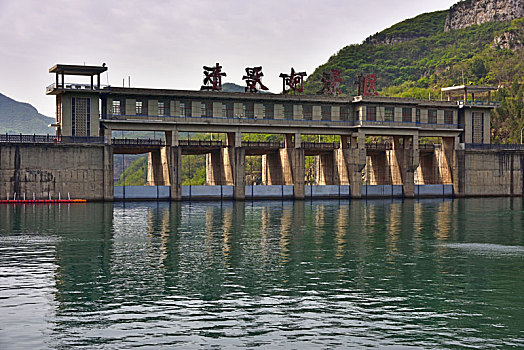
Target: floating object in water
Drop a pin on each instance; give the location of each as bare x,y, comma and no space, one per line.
41,201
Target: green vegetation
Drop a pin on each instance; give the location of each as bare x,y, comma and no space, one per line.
194,170
135,174
423,25
427,58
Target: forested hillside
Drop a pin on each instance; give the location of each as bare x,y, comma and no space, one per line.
18,117
417,57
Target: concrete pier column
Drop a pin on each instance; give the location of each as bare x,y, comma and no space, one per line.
378,169
326,167
427,172
155,168
341,158
108,173
272,169
234,157
214,169
405,160
107,133
171,137
164,168
357,162
175,172
446,160
293,166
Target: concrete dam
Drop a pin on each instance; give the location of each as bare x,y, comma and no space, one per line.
386,147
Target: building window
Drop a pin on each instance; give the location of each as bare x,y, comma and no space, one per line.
389,114
407,115
448,117
249,110
185,109
139,107
477,134
81,116
356,114
307,111
116,108
325,113
227,110
206,109
161,108
288,111
269,111
59,108
371,113
344,113
417,115
432,116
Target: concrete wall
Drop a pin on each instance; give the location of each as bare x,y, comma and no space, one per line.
328,191
83,171
141,192
489,173
433,190
276,192
381,191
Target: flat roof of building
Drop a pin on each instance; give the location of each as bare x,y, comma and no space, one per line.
69,69
469,88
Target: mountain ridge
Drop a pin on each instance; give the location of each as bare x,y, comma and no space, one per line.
21,117
417,56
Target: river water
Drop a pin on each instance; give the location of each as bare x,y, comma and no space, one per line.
291,275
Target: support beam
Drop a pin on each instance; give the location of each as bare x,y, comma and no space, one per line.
428,170
234,139
341,158
171,137
175,172
272,169
357,162
157,168
293,165
235,170
215,169
405,160
447,160
326,169
108,173
378,170
108,135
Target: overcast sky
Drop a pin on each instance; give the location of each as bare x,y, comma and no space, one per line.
165,43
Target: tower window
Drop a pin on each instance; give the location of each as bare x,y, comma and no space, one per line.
371,113
81,116
448,117
389,114
116,108
432,116
139,107
407,115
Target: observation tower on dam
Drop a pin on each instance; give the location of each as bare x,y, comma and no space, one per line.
414,142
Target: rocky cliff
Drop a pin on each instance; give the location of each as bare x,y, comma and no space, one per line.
470,12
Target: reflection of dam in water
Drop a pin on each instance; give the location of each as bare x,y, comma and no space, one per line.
178,272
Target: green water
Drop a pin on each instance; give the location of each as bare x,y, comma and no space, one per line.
291,275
